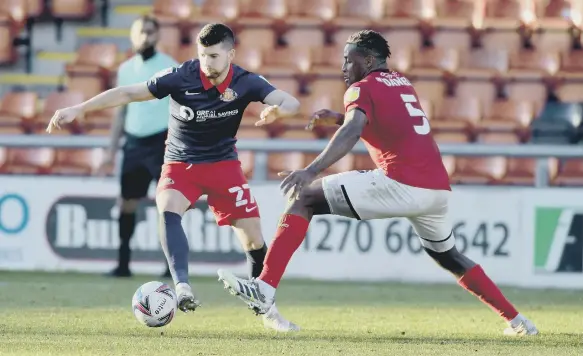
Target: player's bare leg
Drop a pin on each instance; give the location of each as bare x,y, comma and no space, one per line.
171,207
259,294
472,278
249,233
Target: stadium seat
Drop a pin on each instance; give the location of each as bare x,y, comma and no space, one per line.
286,61
18,109
403,13
290,86
504,14
433,63
498,138
91,71
450,137
431,90
252,133
344,164
72,9
332,88
557,123
261,12
71,161
456,114
279,162
8,53
522,171
478,170
249,57
172,12
358,13
312,13
327,61
534,91
530,64
247,162
454,14
56,101
570,173
363,162
35,8
170,40
28,160
312,37
571,65
570,92
11,130
483,90
224,11
508,116
501,40
403,38
455,39
16,10
260,38
483,64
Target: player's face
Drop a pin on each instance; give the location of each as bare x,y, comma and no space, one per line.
355,65
215,59
143,35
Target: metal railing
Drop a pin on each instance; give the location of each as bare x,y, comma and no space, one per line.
261,148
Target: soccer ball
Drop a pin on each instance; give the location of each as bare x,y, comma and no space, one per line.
154,304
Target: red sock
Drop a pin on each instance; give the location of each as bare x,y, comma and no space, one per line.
290,234
479,284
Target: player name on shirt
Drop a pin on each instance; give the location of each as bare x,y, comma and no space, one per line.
393,82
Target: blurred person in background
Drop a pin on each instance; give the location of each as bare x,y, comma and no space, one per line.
145,127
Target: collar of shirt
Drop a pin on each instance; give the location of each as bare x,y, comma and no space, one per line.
221,87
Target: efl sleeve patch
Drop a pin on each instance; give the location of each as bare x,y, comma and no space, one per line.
351,95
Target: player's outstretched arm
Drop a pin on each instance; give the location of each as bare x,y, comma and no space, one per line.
325,117
342,142
281,105
108,99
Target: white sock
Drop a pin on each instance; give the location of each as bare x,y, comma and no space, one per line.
516,321
267,290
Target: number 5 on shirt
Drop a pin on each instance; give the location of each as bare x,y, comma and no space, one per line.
424,128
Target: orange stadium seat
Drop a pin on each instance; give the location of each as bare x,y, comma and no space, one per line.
498,138
503,14
91,71
497,40
252,133
403,38
450,137
279,162
311,12
570,173
18,109
571,65
483,64
12,20
483,90
454,14
35,8
534,91
16,10
290,86
261,12
250,58
522,171
256,37
72,9
432,90
170,39
478,170
433,63
11,130
507,115
327,61
402,13
358,13
286,61
56,101
529,64
344,164
363,162
247,162
217,11
172,12
457,114
28,160
312,37
71,161
570,92
333,88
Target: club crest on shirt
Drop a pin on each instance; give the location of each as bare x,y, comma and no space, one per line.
229,95
351,94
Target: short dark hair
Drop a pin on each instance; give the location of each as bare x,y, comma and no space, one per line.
214,33
151,19
371,43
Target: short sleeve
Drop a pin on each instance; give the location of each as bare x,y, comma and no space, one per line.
164,82
259,87
357,97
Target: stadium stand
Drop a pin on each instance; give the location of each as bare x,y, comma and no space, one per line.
487,71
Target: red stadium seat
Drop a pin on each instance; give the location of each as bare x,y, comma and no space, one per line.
403,38
28,160
69,161
484,91
483,64
434,63
34,8
172,12
72,9
450,137
570,92
535,92
304,37
570,173
16,10
403,13
56,101
504,14
432,90
257,38
217,11
91,71
457,114
327,61
286,61
529,64
571,65
252,133
18,109
507,115
498,138
358,13
501,40
478,170
455,14
261,12
311,12
522,171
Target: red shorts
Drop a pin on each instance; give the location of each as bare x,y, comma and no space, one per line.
229,195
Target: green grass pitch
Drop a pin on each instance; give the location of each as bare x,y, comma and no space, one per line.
80,314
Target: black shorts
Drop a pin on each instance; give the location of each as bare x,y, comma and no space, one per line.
142,163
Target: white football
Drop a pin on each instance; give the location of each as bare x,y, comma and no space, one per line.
154,304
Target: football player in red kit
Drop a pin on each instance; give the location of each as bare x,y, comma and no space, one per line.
382,108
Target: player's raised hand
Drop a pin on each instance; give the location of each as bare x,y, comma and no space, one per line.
269,115
295,181
63,116
324,117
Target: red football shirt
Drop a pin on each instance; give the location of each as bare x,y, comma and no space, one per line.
397,135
